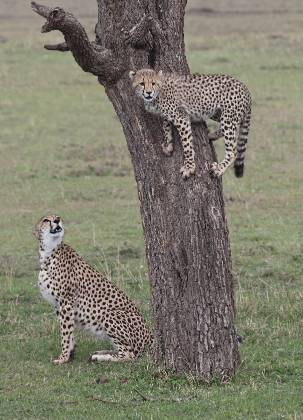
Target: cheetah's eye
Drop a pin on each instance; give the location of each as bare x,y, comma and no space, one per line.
153,83
46,221
142,83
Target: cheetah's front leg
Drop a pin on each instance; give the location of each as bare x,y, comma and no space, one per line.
167,146
66,319
182,122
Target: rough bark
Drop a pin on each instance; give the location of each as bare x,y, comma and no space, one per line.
185,230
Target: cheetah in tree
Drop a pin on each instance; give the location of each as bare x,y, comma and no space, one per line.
180,99
85,298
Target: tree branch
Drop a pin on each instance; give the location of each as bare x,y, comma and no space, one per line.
57,47
91,57
41,9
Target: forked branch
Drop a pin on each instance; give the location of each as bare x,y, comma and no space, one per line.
146,34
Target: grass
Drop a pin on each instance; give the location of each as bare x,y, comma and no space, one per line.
62,149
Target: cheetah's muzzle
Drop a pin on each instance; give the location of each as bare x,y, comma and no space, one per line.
57,229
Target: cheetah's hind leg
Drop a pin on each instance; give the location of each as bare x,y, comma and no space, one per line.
230,131
122,337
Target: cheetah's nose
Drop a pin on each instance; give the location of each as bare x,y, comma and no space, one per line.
148,93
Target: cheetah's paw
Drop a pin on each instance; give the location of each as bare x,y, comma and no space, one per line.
61,360
187,170
167,148
216,170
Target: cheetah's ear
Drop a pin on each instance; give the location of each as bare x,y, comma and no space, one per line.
132,74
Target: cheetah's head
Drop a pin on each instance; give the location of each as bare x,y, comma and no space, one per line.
147,83
49,230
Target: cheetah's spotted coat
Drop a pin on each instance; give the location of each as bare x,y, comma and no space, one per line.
86,298
182,99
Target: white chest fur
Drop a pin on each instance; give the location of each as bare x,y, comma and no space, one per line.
45,287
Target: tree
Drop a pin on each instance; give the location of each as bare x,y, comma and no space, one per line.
185,231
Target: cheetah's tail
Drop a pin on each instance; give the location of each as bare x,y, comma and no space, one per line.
241,145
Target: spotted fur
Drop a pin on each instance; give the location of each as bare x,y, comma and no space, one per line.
182,99
85,298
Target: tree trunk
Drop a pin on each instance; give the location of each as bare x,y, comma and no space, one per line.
185,231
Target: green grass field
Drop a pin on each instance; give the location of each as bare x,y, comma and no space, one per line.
62,150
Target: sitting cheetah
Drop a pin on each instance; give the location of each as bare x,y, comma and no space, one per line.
86,298
182,99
